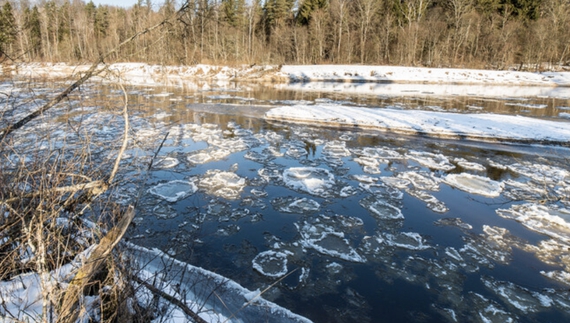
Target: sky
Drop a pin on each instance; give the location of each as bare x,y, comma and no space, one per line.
121,3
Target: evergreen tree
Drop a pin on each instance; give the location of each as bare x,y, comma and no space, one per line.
32,24
7,27
307,8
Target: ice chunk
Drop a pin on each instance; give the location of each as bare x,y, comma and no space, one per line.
381,209
521,191
208,155
475,184
489,311
174,190
541,174
464,163
223,184
549,220
295,205
519,297
325,234
431,160
421,181
336,149
313,180
164,212
406,240
271,263
378,153
166,162
432,202
558,275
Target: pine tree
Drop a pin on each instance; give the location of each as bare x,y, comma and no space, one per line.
7,27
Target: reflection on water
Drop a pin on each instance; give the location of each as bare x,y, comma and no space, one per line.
374,227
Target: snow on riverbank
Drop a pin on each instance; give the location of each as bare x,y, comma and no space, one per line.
192,286
145,74
484,127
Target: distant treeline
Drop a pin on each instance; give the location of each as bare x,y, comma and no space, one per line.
438,33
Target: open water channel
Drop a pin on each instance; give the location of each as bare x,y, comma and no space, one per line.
349,226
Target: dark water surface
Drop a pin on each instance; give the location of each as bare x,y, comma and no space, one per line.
349,226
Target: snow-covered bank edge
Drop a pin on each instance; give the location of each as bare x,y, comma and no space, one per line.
145,74
199,285
213,297
475,127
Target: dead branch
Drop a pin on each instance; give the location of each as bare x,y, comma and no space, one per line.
68,311
171,299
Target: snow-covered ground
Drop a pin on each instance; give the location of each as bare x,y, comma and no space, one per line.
145,74
22,298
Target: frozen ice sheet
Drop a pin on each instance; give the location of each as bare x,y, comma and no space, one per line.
271,263
295,205
549,220
174,191
312,180
222,184
475,184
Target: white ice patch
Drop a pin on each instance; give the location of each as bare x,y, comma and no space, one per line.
558,275
541,174
464,163
406,240
432,202
166,162
271,263
174,190
326,236
564,115
336,149
295,205
381,209
313,180
421,181
517,296
223,184
475,184
549,220
484,126
208,155
431,160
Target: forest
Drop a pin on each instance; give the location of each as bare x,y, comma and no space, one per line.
494,34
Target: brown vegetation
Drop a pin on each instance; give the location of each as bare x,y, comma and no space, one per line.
448,33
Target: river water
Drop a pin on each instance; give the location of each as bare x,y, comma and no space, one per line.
349,226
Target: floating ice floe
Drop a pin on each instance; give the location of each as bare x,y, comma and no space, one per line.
271,263
524,191
166,162
475,184
432,202
549,220
326,236
464,163
223,184
421,181
381,209
295,205
540,173
489,311
312,180
431,160
519,297
405,240
208,155
485,127
174,190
